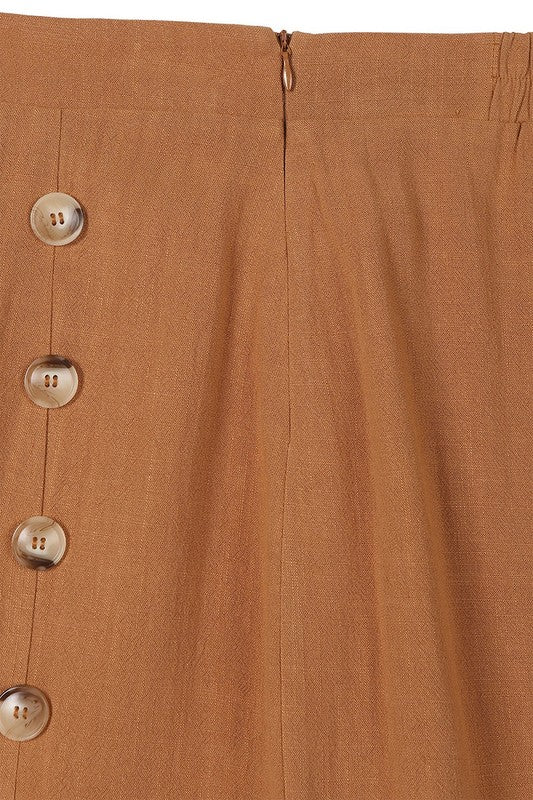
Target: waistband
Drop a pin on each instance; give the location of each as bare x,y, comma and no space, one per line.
205,68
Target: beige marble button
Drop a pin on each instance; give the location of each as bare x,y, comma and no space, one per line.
24,713
51,381
39,543
56,218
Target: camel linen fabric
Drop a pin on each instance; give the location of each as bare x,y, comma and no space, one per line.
295,475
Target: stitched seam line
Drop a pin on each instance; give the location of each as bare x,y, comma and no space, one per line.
288,445
496,43
45,457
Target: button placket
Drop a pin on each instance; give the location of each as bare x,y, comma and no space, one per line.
39,542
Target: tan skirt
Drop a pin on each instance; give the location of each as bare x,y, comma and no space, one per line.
265,437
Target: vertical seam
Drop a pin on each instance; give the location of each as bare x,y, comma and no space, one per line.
496,47
496,60
283,513
50,341
45,456
528,78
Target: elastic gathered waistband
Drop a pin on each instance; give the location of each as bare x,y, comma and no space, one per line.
236,69
477,76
